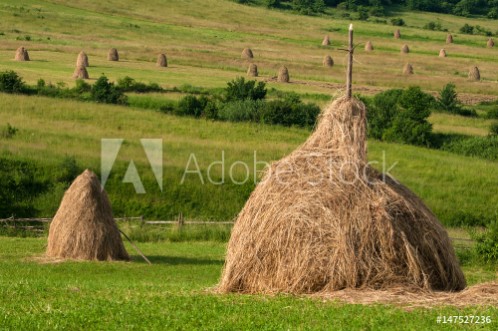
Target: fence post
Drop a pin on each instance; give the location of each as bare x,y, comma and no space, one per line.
181,222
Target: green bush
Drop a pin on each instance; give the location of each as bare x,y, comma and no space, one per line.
128,84
448,102
190,105
482,147
11,82
241,111
104,91
397,21
290,111
486,245
240,89
8,131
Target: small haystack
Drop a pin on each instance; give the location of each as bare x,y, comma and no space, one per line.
328,61
449,39
113,55
247,54
323,220
22,54
82,60
397,34
408,69
490,43
442,52
84,228
283,75
474,73
368,46
80,72
162,61
326,41
252,71
405,49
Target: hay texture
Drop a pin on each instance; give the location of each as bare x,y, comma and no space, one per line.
442,52
84,228
368,46
162,61
326,41
82,60
247,54
252,71
397,34
323,220
405,49
449,39
328,61
283,75
408,69
474,73
490,43
113,55
80,73
22,54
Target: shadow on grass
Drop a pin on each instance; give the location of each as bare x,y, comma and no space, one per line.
175,260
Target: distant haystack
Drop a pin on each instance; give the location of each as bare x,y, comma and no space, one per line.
22,54
405,49
80,73
162,61
449,38
408,69
326,41
113,55
474,73
283,75
442,53
252,71
397,34
82,60
368,46
247,54
84,228
490,43
328,61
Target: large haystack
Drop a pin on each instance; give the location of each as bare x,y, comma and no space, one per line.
408,69
397,34
82,60
368,46
474,73
247,54
449,38
22,54
490,43
83,228
326,41
283,75
405,49
252,71
80,73
328,61
113,55
322,220
162,61
442,52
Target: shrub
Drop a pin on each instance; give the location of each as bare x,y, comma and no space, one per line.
468,29
486,245
482,147
493,130
397,21
105,92
492,113
240,89
190,105
8,131
128,84
82,86
241,111
434,26
290,111
11,82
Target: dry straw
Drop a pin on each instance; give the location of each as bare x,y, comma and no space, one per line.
22,54
442,53
247,54
474,73
326,41
82,60
162,61
405,49
323,220
408,69
113,55
328,61
397,34
490,43
283,75
449,39
368,46
84,228
80,72
252,71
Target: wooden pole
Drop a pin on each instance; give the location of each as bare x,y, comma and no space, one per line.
135,247
349,78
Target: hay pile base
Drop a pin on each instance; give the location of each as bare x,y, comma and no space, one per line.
113,55
442,52
405,49
82,60
408,69
162,61
369,47
80,73
247,54
449,39
328,61
84,228
474,73
490,43
323,220
252,71
397,34
326,41
22,54
283,75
